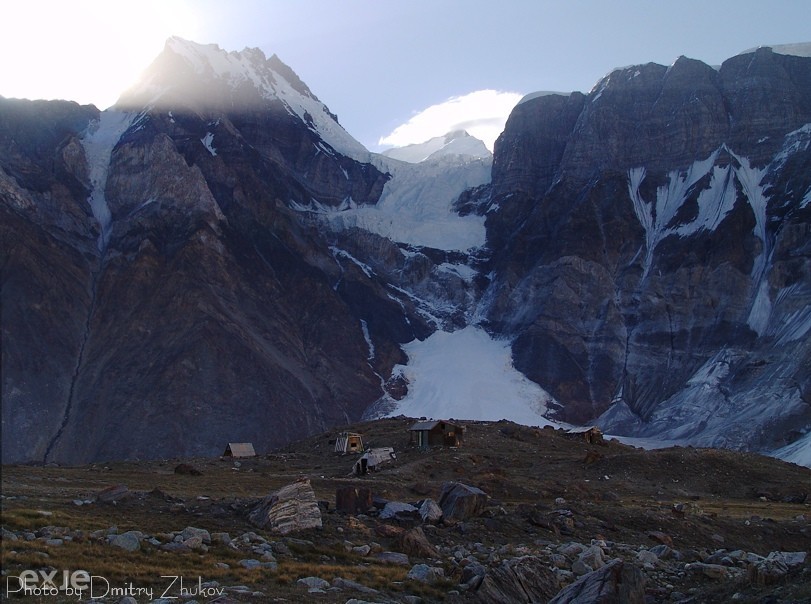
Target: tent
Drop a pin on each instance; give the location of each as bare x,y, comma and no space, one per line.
373,459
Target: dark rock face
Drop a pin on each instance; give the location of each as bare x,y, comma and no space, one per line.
209,313
643,238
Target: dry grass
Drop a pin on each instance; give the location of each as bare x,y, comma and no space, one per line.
621,494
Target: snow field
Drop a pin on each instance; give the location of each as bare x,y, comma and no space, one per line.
468,375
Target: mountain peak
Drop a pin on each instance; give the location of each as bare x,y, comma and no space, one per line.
207,78
799,49
456,142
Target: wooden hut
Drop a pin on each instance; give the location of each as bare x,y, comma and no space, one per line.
591,434
436,433
349,442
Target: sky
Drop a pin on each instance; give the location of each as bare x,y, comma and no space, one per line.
396,71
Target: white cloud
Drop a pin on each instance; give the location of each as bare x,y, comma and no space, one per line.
482,113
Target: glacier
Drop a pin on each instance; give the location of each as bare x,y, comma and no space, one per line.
468,374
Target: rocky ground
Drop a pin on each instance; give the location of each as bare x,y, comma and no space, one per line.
538,517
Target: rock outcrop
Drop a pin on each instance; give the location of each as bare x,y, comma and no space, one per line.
290,509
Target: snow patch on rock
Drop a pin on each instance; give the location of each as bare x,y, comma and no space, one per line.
98,141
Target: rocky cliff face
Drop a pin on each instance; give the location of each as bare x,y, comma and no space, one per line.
652,249
160,296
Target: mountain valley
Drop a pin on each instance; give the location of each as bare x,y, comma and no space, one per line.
216,259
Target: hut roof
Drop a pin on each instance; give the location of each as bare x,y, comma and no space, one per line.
582,430
425,425
431,424
240,450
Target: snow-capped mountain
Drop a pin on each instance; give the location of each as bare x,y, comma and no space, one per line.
195,76
458,142
216,259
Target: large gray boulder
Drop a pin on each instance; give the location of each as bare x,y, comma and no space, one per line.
616,582
460,501
527,579
397,510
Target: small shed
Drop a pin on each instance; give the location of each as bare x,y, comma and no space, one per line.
239,450
436,433
373,459
349,442
591,434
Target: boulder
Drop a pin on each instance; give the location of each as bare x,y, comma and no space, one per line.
790,559
617,581
430,512
314,583
190,531
195,543
425,574
472,573
767,572
397,510
774,568
393,558
388,530
460,501
342,583
353,500
713,571
175,548
414,543
592,558
291,508
661,537
526,579
647,557
113,494
187,469
128,541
